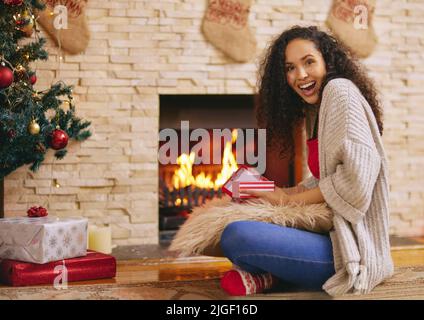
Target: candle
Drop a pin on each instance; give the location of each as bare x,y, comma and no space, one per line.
100,239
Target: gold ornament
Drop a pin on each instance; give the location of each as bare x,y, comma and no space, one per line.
28,29
34,127
25,22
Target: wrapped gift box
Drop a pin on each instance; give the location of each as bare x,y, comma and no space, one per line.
244,179
254,186
41,240
94,265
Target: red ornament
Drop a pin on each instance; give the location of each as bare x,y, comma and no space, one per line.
37,212
33,79
59,139
6,77
13,2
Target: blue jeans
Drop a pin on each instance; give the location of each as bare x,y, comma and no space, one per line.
298,257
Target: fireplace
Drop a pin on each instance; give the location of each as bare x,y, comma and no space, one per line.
225,129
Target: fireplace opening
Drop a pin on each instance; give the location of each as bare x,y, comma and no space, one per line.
226,122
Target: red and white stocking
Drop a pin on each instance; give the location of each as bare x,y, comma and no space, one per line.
226,26
73,34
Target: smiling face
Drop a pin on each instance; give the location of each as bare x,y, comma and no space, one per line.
305,69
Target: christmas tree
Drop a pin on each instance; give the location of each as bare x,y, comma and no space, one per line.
31,121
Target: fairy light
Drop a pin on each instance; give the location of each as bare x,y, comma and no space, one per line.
56,183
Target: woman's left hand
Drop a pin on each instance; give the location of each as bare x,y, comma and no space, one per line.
276,197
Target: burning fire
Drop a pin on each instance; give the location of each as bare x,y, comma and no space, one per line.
183,176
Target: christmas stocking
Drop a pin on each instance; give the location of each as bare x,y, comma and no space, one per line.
351,22
225,25
68,28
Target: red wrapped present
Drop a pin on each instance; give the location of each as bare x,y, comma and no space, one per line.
94,265
254,186
245,179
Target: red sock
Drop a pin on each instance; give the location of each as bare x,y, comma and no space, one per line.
237,282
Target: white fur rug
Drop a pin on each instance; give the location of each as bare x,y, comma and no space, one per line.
204,227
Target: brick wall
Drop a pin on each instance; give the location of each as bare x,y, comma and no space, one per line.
140,49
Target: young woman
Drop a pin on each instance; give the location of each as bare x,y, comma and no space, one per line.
309,76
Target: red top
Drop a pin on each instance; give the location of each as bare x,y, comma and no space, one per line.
313,159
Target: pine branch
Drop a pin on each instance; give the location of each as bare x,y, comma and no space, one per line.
34,50
60,154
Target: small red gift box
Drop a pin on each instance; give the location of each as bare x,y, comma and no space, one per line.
94,265
244,179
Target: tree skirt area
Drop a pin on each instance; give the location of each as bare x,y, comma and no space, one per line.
407,283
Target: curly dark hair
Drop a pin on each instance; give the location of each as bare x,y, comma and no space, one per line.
280,109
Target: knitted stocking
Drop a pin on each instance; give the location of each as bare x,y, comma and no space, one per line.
351,22
237,282
75,38
225,25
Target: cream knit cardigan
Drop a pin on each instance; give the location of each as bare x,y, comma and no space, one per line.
353,181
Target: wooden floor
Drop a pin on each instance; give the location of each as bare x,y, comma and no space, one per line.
131,271
170,278
198,268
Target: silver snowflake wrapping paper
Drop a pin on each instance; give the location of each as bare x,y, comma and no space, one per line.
42,240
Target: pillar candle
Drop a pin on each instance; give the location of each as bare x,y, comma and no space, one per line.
100,239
